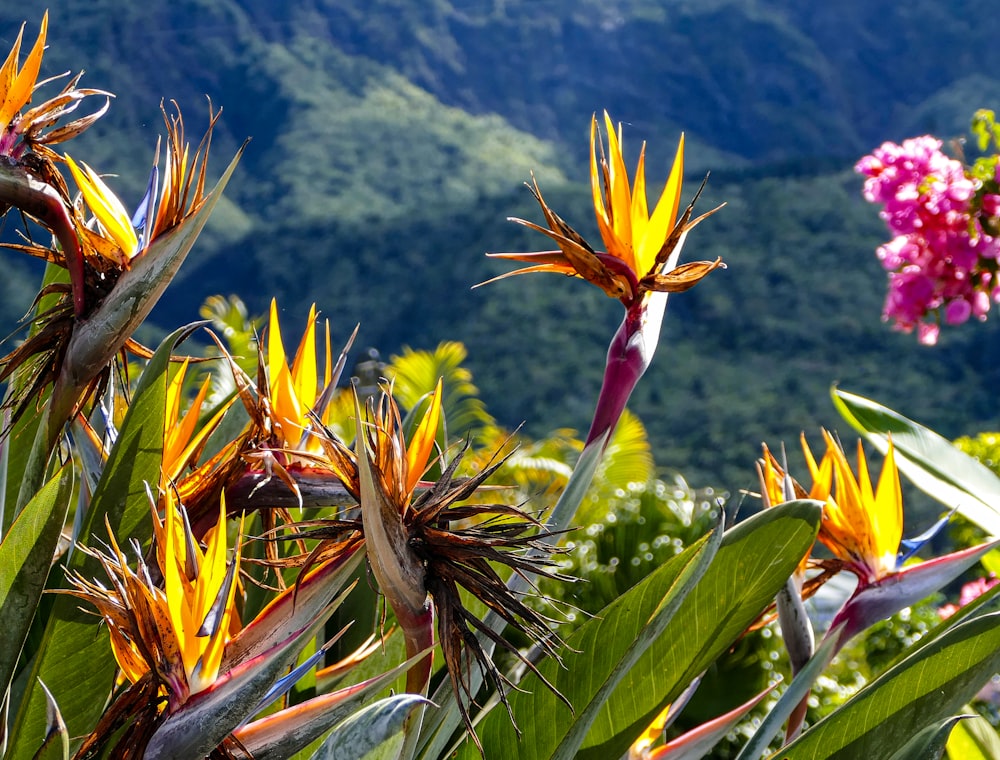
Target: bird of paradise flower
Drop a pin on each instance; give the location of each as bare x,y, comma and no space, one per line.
639,267
862,527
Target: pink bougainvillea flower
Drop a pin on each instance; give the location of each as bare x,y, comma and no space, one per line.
941,258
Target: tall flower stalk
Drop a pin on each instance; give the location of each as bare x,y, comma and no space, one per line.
639,267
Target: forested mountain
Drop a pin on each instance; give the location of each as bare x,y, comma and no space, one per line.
391,139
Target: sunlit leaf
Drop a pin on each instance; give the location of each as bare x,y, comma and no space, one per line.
933,463
25,559
371,729
752,562
74,659
927,687
973,739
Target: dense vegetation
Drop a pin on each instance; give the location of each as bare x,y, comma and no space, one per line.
390,140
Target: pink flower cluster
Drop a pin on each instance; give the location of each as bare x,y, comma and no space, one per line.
940,261
969,593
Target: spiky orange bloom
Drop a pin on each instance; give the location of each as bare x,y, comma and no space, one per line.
639,244
295,391
428,542
114,222
177,632
197,485
97,253
285,407
861,526
23,132
115,242
16,85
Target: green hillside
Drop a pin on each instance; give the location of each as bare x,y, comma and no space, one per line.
391,140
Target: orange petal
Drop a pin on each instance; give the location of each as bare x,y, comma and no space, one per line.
664,215
621,195
422,445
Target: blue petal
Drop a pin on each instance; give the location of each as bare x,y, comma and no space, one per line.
144,212
910,546
286,682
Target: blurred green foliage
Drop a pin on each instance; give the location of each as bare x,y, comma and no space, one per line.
983,446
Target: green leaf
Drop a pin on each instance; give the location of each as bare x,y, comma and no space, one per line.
15,444
932,462
74,659
974,739
55,745
797,690
628,457
366,734
607,627
925,688
25,559
929,743
753,561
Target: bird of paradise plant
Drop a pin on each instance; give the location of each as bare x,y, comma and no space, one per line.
862,527
179,641
208,662
426,540
419,558
289,400
167,641
639,267
23,132
116,275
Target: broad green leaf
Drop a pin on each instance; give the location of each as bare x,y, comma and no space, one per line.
753,561
690,572
25,559
929,743
991,562
55,744
605,648
75,659
374,731
923,689
973,739
932,462
15,445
